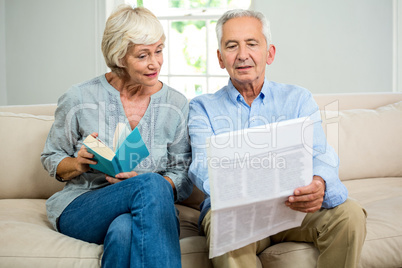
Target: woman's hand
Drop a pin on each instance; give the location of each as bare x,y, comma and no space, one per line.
84,158
71,167
121,176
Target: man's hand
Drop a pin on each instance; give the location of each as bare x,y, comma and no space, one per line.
308,198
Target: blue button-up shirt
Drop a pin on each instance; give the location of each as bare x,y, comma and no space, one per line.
226,110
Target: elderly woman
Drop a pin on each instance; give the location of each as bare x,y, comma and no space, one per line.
133,213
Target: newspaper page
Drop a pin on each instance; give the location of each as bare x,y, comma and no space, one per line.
252,172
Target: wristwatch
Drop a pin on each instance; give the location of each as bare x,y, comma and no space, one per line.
60,178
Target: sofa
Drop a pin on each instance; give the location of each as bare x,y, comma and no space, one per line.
365,130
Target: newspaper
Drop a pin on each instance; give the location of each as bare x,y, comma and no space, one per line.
252,172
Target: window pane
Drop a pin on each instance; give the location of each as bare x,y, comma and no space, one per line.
216,83
244,4
213,63
196,3
188,47
165,65
189,86
164,79
188,4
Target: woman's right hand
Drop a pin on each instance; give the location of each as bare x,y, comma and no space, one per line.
84,158
72,167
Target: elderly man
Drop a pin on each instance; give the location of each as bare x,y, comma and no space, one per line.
334,223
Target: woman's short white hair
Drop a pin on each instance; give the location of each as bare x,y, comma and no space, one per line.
126,27
238,13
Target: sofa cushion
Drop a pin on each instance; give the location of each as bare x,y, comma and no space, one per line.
35,109
21,141
32,242
382,199
368,141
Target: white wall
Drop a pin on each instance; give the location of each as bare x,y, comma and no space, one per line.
332,46
3,90
397,6
326,46
50,45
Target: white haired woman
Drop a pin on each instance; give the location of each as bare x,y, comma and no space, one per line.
132,213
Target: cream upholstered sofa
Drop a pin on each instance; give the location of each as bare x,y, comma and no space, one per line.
368,140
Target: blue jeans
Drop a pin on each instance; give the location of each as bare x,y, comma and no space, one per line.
135,219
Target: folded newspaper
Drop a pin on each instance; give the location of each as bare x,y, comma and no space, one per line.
252,172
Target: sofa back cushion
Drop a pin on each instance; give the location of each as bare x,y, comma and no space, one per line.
34,109
368,141
21,141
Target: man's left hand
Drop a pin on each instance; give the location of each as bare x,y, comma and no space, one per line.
309,198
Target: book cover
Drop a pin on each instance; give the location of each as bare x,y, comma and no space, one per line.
128,155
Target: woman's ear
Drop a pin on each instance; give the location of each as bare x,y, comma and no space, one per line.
271,54
121,63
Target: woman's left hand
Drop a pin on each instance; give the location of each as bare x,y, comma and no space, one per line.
121,177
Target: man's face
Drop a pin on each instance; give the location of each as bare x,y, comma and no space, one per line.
244,52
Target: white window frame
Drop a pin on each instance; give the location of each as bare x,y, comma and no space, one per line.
200,15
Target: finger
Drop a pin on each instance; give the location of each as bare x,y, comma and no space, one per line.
314,187
126,175
85,157
306,198
86,160
112,180
83,152
304,206
306,210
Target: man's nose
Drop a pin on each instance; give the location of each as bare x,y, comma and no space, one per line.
242,54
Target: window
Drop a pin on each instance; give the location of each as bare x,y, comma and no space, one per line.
190,62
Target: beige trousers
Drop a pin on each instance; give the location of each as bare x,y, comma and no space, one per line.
337,233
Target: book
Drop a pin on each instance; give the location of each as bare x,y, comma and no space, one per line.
128,155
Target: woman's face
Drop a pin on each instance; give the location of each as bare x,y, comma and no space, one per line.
143,63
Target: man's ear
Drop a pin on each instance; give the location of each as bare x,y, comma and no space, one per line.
218,53
271,54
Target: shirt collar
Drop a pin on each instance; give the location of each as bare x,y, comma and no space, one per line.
235,96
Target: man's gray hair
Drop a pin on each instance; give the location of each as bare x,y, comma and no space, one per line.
238,13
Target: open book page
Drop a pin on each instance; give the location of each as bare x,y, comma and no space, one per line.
252,172
99,147
120,134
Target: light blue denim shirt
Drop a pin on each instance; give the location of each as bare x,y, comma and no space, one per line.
276,102
95,106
